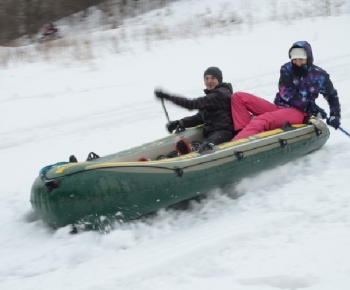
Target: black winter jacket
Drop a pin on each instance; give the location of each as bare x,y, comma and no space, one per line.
214,109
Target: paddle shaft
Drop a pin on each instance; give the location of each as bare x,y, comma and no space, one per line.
165,111
340,128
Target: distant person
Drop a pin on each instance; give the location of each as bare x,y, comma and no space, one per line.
50,29
299,85
214,111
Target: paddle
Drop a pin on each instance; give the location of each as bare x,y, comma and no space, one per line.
178,128
323,115
165,111
340,128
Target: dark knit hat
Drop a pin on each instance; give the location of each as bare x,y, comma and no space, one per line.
215,72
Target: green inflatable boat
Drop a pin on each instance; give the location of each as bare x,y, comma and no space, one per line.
121,188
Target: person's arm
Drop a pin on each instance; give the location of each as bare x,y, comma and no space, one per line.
211,101
186,122
191,121
331,95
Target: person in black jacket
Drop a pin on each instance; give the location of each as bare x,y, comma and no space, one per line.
214,108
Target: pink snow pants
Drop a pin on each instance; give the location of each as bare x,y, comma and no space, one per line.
268,116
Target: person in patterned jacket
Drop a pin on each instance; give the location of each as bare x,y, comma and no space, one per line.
299,85
214,109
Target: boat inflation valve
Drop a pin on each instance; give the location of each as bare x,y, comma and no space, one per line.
239,155
283,142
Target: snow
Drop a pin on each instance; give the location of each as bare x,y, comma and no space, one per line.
286,228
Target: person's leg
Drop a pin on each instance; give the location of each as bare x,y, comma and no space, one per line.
242,104
271,120
219,137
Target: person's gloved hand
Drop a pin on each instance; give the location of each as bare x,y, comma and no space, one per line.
161,95
334,121
172,125
317,111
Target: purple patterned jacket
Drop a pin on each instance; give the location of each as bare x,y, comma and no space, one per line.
297,88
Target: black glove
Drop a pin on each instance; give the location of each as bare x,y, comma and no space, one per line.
172,125
161,95
334,121
317,111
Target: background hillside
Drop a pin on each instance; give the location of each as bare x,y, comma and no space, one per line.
25,17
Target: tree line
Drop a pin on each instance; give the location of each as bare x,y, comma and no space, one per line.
26,17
